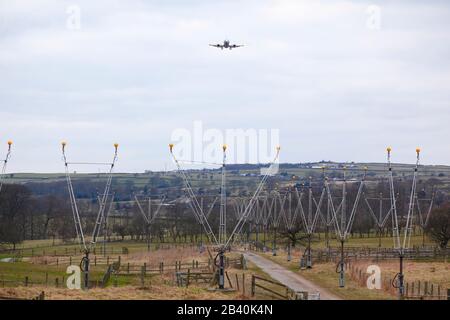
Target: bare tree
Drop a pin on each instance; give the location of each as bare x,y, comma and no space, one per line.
439,226
14,201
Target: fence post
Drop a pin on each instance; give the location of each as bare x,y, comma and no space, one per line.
26,281
95,260
237,282
143,276
253,285
187,278
243,284
448,294
229,281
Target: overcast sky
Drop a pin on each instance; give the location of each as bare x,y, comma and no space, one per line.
338,85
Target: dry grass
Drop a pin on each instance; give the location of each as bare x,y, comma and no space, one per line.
324,275
153,257
160,286
155,292
434,272
168,256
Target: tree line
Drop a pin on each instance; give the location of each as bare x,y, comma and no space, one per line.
26,214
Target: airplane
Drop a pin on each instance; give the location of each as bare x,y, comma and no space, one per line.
226,45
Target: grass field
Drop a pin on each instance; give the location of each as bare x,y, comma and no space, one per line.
135,246
32,265
324,274
38,276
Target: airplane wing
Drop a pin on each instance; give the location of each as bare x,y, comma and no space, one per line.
236,45
216,45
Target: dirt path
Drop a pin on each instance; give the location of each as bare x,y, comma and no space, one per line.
290,279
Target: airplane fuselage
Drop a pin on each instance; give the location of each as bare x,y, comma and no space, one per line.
226,45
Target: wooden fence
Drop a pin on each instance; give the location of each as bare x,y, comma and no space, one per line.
70,260
114,267
41,296
184,279
162,267
60,250
280,291
355,253
56,282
